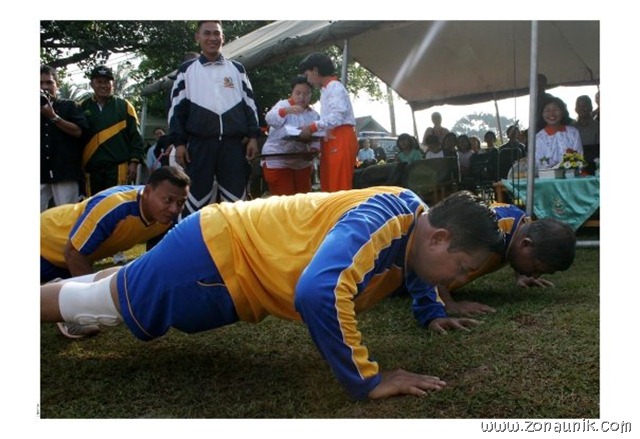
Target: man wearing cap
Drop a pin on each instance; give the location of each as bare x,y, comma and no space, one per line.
114,146
213,122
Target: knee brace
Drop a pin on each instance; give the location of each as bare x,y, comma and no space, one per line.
89,303
84,279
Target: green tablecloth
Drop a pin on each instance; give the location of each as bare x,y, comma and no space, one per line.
572,200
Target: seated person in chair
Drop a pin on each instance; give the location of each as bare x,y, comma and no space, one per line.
434,149
464,154
409,150
553,141
366,155
513,133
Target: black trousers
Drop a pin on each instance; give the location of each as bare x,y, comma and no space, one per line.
219,171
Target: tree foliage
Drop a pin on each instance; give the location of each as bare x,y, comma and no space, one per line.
67,90
477,124
161,46
89,43
360,79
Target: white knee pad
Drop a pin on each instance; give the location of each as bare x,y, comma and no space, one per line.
85,279
89,304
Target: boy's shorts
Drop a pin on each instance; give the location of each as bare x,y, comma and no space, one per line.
176,284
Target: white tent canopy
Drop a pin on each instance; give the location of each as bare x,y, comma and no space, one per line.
466,62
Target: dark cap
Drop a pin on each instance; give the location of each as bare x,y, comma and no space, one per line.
101,71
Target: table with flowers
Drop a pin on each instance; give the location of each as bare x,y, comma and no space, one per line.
572,200
562,191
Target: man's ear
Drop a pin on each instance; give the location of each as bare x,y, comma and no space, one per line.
440,237
526,242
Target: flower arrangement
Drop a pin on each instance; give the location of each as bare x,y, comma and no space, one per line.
573,160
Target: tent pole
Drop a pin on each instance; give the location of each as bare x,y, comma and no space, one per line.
345,62
495,103
143,116
392,111
533,93
143,128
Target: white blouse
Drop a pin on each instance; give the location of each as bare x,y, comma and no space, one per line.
336,108
434,155
277,144
554,146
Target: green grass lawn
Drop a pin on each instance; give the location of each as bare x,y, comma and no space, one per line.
538,356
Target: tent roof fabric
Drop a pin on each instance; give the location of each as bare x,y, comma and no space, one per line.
282,39
432,63
466,62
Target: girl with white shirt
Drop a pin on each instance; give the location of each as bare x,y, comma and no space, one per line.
288,175
557,136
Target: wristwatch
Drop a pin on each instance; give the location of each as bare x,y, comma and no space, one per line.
55,118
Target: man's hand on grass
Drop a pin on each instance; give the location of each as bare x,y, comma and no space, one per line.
401,382
440,325
468,308
526,282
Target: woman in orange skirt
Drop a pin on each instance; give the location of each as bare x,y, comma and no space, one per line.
340,144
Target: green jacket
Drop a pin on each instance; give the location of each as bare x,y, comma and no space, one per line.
114,134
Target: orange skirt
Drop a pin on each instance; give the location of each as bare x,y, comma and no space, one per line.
286,181
338,159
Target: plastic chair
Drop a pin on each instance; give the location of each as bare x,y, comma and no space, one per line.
387,174
482,171
506,157
432,179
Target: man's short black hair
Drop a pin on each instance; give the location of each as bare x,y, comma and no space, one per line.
554,243
201,22
586,99
511,129
48,70
470,221
490,134
325,65
172,174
